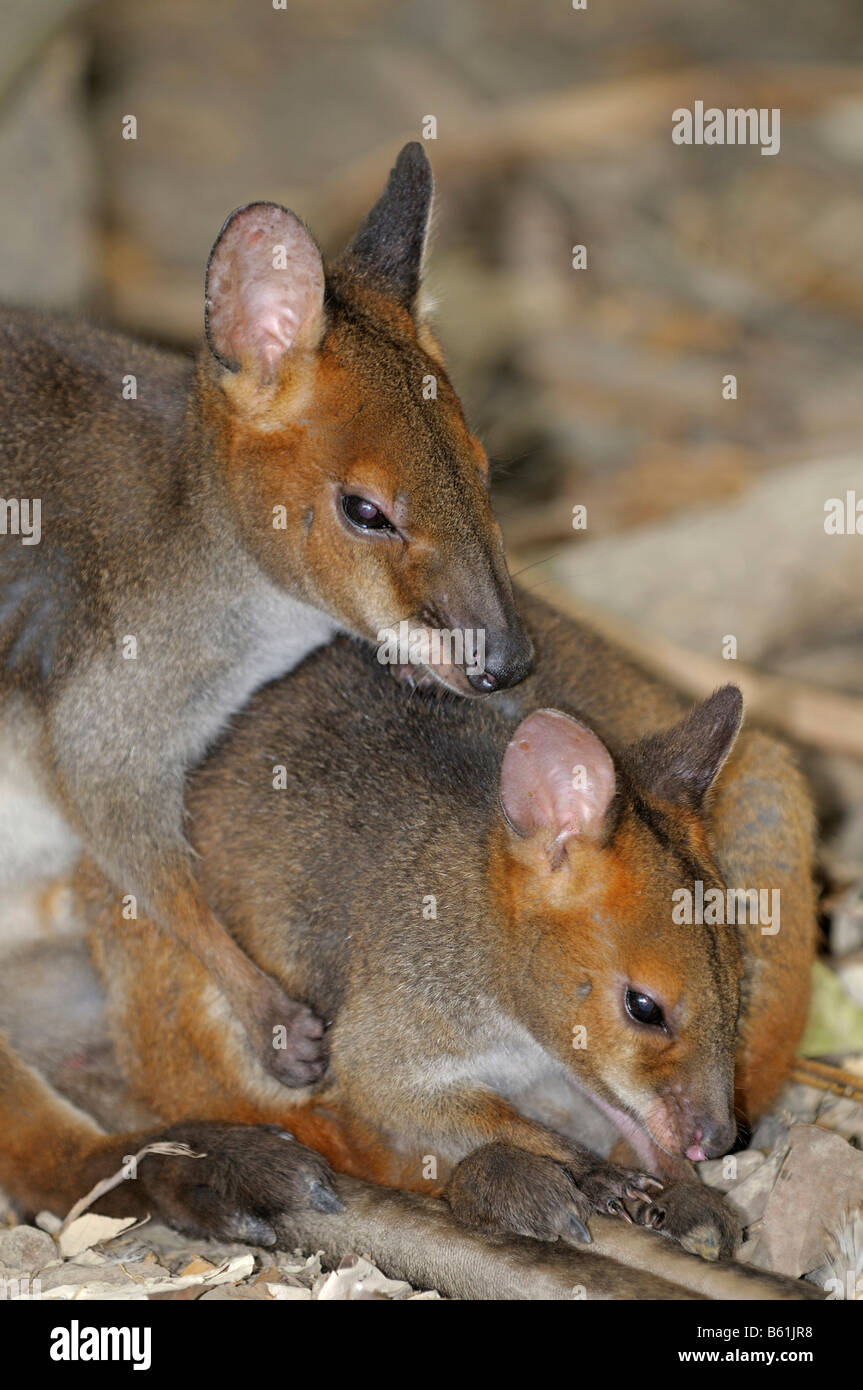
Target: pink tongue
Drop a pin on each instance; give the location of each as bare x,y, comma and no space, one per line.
696,1153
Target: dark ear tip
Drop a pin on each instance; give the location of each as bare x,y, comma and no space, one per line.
730,699
413,163
390,241
413,153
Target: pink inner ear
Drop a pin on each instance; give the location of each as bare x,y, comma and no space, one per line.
556,777
265,288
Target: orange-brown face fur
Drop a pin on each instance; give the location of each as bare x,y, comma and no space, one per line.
602,923
350,418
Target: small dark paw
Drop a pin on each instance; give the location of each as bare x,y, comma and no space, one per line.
697,1217
505,1190
293,1040
616,1191
250,1175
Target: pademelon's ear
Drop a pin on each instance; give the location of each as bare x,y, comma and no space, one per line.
264,290
557,780
389,245
681,763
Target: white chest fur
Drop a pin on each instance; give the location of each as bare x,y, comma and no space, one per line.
269,634
256,636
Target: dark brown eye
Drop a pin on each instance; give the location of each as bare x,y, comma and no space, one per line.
363,514
643,1009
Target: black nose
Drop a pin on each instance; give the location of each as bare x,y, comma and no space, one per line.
718,1136
508,661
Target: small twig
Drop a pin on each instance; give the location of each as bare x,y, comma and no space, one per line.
823,1077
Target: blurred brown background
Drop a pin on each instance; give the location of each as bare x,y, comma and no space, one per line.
600,387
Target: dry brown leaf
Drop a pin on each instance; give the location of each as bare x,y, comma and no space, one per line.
91,1229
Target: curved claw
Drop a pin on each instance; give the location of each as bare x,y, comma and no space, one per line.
645,1182
638,1195
654,1218
615,1207
322,1198
579,1229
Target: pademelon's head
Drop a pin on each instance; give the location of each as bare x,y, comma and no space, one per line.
606,866
354,476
